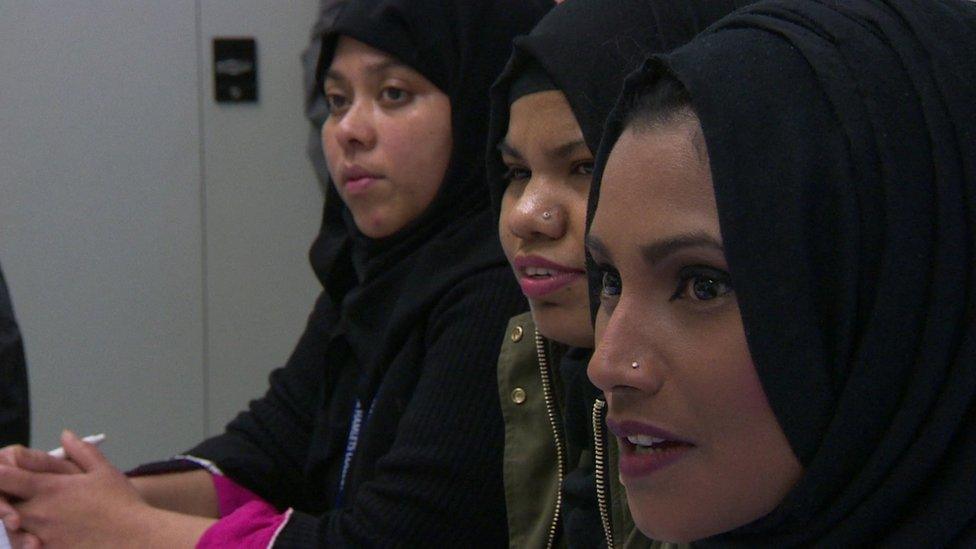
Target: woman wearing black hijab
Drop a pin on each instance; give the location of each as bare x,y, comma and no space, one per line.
784,230
383,428
548,111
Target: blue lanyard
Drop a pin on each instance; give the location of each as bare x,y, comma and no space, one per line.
359,417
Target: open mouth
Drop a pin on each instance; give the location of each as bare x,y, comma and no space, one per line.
540,272
644,444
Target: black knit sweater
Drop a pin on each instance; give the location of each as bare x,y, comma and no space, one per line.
427,470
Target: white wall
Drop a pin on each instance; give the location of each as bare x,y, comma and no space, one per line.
263,205
155,243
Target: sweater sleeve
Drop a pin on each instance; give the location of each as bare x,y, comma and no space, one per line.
14,408
440,485
264,448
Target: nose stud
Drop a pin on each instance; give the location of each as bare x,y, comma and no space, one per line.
635,365
547,215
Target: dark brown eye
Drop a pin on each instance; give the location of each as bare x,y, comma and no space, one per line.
516,173
335,102
392,94
700,283
610,285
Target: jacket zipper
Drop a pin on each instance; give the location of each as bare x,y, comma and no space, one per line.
599,468
547,391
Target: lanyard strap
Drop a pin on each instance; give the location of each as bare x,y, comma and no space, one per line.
359,417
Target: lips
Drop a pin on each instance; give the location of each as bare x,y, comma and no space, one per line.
356,180
645,449
539,276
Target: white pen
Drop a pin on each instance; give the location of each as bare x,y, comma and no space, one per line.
90,439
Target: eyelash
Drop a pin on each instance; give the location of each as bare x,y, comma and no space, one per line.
519,173
690,277
516,173
404,94
608,274
688,280
332,99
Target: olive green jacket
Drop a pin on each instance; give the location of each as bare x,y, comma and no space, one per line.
531,459
531,393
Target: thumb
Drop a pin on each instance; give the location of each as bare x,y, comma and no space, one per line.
83,454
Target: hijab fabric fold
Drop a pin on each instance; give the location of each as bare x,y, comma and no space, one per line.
842,141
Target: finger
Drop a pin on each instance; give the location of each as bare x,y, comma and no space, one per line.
83,454
7,454
17,482
41,462
9,515
24,540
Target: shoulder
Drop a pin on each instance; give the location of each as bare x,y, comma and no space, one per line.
490,291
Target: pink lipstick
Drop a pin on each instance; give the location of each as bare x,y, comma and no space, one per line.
645,449
357,180
538,276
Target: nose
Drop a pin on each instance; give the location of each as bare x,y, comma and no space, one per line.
354,129
625,359
537,212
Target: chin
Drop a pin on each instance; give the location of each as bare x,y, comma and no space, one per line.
667,523
375,226
562,325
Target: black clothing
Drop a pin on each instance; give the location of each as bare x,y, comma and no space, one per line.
842,141
586,48
408,328
14,397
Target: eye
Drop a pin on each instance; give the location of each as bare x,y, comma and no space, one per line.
583,168
335,102
392,94
700,283
516,173
610,285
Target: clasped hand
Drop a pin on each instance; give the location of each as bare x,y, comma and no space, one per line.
81,501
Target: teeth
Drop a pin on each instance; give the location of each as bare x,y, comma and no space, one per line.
537,271
645,440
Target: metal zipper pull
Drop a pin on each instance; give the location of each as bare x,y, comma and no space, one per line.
599,468
555,422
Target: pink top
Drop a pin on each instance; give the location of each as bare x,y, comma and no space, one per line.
245,519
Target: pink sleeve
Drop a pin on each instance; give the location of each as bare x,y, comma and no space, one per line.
230,495
254,525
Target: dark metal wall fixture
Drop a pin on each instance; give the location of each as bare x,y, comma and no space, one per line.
235,70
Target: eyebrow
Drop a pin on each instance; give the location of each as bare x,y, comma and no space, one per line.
509,150
657,251
373,68
562,152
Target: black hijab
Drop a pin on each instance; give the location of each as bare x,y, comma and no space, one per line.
459,46
842,140
587,48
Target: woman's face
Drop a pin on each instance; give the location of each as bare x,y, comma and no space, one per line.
387,139
544,213
700,450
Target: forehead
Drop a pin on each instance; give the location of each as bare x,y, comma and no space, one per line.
539,118
656,184
352,56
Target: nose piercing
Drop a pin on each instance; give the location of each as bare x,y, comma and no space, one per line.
635,365
547,215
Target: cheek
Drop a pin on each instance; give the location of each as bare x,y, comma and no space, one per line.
330,148
420,151
509,241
